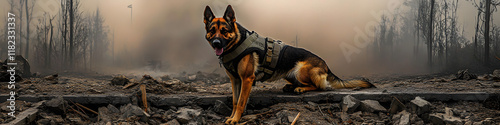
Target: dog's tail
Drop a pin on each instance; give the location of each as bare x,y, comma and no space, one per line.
337,83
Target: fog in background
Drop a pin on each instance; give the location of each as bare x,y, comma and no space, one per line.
173,30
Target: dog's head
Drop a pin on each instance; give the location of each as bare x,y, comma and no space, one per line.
222,33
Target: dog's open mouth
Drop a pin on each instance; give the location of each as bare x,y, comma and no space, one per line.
218,51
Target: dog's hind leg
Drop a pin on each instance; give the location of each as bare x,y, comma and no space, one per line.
312,78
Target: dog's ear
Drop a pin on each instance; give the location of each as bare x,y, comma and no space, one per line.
229,14
208,15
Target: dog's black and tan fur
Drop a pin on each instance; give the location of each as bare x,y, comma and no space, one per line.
303,70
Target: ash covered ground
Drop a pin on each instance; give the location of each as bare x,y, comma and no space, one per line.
348,111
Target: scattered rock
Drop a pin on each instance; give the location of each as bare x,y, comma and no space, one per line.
402,118
56,104
132,110
371,106
119,80
186,115
441,119
496,74
191,77
221,108
52,77
22,66
165,78
284,116
104,114
465,75
349,104
436,119
113,109
396,106
420,106
173,122
492,102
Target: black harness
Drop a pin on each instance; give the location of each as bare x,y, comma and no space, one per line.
268,50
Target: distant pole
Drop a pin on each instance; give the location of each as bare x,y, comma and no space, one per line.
296,41
130,6
113,49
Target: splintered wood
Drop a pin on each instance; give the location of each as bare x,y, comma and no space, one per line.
144,99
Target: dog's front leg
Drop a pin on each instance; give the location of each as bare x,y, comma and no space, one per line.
246,71
236,89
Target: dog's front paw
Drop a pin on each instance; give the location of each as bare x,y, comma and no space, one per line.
232,121
289,88
299,90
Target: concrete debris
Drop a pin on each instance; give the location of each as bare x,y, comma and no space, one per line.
402,118
420,106
285,116
120,80
496,75
465,75
22,66
186,115
132,110
191,77
349,104
221,108
173,122
53,77
396,106
165,77
371,106
57,104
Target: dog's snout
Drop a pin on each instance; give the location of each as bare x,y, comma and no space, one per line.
216,43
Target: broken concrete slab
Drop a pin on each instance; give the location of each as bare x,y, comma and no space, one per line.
349,104
371,106
420,106
258,99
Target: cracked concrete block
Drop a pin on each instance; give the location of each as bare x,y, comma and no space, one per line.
349,104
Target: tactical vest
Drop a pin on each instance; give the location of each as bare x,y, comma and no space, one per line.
269,51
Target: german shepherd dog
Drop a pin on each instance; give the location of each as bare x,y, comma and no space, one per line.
303,70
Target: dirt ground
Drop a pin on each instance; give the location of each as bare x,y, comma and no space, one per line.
215,84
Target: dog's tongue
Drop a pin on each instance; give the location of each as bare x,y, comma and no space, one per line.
218,51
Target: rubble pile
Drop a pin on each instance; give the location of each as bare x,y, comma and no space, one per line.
153,85
201,77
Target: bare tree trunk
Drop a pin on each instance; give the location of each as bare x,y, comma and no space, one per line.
477,30
446,34
50,42
26,50
430,38
487,33
71,31
20,38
